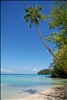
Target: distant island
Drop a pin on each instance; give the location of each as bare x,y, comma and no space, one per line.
45,71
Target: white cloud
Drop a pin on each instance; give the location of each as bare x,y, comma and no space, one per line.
23,70
7,71
35,69
28,70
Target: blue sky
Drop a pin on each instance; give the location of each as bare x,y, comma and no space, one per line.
22,50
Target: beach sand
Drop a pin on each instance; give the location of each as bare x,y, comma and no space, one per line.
55,93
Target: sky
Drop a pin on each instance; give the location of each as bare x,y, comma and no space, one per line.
22,50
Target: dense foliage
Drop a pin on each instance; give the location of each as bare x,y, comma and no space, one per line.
45,71
58,20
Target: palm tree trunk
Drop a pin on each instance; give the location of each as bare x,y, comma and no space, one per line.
56,59
45,42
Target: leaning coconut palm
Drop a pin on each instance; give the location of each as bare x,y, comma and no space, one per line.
33,16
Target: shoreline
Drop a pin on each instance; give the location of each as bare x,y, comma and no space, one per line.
58,92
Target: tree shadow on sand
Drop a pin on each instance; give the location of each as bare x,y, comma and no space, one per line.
30,91
59,94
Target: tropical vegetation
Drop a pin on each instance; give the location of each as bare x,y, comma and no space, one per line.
57,20
45,71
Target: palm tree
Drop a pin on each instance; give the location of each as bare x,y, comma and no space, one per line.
33,16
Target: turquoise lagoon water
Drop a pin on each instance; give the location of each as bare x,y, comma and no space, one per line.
18,86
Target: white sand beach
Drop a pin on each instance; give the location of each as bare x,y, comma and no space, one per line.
56,93
39,96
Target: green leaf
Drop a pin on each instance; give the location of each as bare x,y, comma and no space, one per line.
26,16
36,21
26,20
38,7
31,22
26,10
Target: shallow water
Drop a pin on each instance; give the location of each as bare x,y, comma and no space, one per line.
19,86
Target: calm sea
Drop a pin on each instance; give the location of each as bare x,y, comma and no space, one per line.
18,86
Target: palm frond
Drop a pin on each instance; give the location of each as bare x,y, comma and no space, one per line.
32,14
26,10
26,16
41,17
38,7
31,22
36,21
27,20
